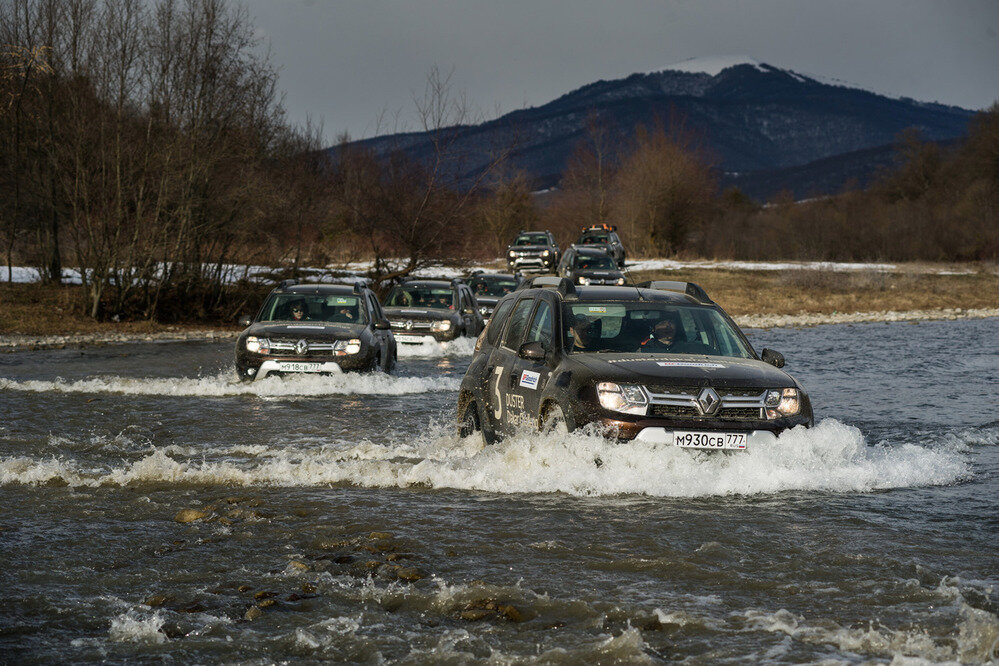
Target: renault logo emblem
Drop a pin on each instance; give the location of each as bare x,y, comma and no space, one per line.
409,325
708,401
301,347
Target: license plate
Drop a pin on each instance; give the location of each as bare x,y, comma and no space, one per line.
301,367
417,339
709,440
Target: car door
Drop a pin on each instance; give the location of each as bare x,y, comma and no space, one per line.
565,266
374,315
505,408
528,376
478,323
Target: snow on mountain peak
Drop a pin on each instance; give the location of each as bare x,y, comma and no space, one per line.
712,66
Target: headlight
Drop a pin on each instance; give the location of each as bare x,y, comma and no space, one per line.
512,254
626,398
782,402
545,253
440,326
258,345
345,347
583,280
620,281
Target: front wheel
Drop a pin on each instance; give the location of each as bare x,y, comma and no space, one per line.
554,422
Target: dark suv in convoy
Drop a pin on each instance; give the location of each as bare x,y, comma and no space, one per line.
490,287
533,250
315,328
605,236
661,364
428,310
588,265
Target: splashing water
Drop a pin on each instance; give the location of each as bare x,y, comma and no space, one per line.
830,457
223,384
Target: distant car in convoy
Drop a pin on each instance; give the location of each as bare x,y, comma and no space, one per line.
605,236
315,328
660,364
490,287
586,265
534,251
429,310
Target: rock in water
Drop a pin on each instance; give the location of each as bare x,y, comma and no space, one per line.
190,515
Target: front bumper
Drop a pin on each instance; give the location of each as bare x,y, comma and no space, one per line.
257,366
531,261
660,431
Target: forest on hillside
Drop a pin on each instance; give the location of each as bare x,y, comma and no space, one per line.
144,144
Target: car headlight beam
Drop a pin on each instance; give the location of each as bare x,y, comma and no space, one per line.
583,280
782,402
624,398
440,326
257,345
347,347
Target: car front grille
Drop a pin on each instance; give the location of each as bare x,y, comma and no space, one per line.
415,325
291,347
681,402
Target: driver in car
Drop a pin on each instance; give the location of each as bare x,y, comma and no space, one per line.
662,339
585,333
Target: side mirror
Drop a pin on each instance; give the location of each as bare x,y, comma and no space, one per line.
245,321
532,350
383,325
467,311
774,358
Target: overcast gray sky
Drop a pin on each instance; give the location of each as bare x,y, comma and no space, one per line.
345,62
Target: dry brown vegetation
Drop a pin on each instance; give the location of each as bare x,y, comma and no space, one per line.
815,291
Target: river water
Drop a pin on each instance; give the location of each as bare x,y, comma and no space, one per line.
342,518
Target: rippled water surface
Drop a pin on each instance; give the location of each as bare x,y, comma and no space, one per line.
342,518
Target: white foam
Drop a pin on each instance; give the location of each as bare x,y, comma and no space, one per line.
830,457
456,347
132,628
224,384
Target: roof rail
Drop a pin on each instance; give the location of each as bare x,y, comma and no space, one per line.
689,288
564,286
602,225
287,283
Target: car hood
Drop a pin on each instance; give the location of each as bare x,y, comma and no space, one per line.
684,370
402,314
306,330
597,273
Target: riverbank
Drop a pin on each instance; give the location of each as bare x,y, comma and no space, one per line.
36,316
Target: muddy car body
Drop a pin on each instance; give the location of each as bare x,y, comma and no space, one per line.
708,389
315,328
429,310
588,265
533,251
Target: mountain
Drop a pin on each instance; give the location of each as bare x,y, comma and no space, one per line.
756,123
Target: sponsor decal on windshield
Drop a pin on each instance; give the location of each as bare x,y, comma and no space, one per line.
530,379
303,326
597,308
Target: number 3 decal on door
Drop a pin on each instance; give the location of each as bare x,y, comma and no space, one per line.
498,411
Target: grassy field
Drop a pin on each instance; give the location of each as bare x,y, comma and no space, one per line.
33,309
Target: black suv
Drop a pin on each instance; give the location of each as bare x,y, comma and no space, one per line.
490,287
661,364
533,250
588,265
427,310
605,236
315,328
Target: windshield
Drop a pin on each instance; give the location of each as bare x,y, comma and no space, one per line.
592,239
314,307
498,287
650,328
413,296
594,261
531,239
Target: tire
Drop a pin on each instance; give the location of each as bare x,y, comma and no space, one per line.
554,421
469,424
